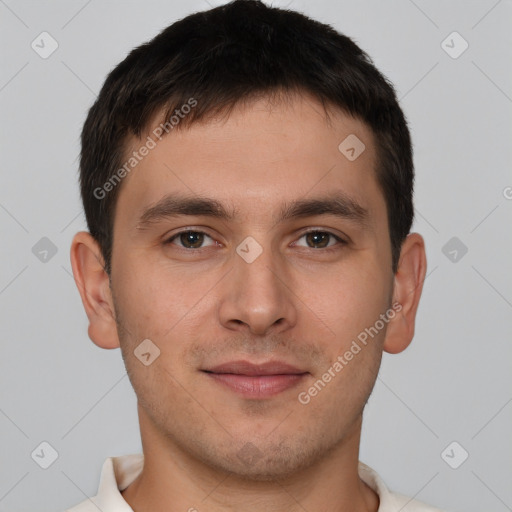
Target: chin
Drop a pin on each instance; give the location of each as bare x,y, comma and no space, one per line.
265,462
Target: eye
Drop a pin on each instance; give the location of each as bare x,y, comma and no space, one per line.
317,239
314,239
190,239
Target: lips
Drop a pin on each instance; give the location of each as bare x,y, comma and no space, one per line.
247,368
256,380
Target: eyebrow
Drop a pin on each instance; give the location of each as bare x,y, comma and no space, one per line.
173,205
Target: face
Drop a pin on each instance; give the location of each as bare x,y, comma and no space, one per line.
253,294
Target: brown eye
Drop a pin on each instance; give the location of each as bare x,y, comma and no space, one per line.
189,239
318,239
192,239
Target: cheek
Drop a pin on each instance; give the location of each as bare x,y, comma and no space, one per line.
349,301
157,299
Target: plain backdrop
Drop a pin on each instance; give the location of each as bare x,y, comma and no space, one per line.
452,385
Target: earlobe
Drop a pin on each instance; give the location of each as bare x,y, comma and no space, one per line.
407,292
93,284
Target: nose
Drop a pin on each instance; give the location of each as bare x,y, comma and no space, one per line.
257,296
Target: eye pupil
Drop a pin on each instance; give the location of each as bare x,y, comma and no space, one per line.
192,239
318,238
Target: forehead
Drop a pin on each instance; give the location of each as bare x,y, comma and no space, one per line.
260,155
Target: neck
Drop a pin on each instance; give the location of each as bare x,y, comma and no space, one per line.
174,481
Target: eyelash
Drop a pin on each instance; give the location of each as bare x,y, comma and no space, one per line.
340,240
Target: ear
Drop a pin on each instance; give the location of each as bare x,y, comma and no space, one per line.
408,284
94,287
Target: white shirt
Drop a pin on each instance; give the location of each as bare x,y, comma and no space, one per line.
119,472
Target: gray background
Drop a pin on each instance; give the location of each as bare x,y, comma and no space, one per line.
452,384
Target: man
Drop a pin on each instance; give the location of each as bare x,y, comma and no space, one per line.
247,181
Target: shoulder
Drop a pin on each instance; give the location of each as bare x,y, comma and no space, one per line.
407,504
85,506
116,474
391,501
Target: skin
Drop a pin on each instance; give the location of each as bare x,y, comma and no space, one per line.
296,302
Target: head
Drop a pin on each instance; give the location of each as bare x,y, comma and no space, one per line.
247,181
